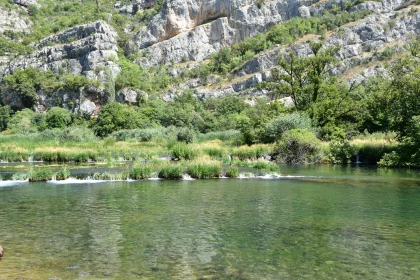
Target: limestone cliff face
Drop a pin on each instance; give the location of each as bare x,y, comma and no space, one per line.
193,29
12,20
362,46
86,49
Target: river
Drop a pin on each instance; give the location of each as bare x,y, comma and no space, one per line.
314,222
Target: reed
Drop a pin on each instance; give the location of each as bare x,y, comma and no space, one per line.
141,173
171,172
62,175
183,151
232,172
204,171
40,176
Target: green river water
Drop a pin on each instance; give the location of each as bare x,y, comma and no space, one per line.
316,222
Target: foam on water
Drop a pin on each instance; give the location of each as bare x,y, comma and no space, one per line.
12,183
187,177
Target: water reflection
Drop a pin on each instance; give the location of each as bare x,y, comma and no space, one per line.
348,227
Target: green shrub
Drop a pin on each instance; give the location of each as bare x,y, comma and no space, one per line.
297,146
265,166
19,176
340,152
141,135
215,152
226,135
140,173
204,171
171,172
109,141
183,151
185,135
40,176
280,125
62,175
232,172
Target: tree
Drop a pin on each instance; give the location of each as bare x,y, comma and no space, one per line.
302,77
115,116
58,118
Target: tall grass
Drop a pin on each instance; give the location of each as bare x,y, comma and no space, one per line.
40,176
204,171
171,172
140,173
62,175
183,151
232,172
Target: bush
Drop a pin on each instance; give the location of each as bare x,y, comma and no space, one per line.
70,134
340,152
226,135
40,176
62,175
265,166
297,146
140,173
280,125
109,141
215,153
183,151
204,171
141,135
185,135
58,118
232,172
171,172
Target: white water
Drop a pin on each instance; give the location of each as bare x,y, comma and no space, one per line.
187,177
12,183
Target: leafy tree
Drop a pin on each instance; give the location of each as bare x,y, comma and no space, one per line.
58,118
4,117
115,116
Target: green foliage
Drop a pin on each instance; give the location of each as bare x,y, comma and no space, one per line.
275,129
183,151
4,117
266,166
69,134
297,146
340,151
58,118
185,135
172,172
8,47
22,122
62,175
141,173
215,153
142,135
109,141
232,172
204,171
227,135
116,116
40,176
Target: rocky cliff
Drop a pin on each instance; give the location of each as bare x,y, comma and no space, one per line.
86,49
193,29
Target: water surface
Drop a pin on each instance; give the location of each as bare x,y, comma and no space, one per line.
320,222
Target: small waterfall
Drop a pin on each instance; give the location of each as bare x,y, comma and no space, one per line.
31,158
187,177
357,158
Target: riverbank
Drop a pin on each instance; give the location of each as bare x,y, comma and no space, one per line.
27,148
